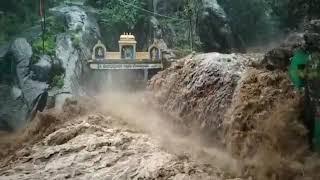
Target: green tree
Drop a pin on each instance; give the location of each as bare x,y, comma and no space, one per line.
120,14
192,8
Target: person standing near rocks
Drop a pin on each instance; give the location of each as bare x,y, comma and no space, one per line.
309,73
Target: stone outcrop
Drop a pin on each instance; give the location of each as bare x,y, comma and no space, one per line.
13,110
312,35
41,70
279,57
29,79
31,89
19,89
214,30
74,49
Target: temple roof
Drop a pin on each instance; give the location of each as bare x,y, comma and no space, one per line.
127,38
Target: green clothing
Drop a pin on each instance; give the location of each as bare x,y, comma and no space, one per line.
305,72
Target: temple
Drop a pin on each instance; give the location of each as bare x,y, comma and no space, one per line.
127,57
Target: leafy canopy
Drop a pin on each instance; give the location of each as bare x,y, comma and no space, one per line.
118,13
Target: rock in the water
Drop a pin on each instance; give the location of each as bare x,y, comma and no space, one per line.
17,98
313,26
12,109
42,69
313,41
312,35
279,57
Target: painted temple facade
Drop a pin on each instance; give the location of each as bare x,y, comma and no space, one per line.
127,57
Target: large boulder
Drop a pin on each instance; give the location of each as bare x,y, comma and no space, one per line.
22,95
12,108
31,89
213,28
279,57
22,52
42,69
312,35
18,95
73,49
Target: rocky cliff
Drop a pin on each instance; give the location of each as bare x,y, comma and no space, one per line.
211,28
74,49
26,77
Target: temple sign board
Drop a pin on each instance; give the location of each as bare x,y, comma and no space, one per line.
127,57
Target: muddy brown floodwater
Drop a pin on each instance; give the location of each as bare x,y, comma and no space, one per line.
211,116
118,138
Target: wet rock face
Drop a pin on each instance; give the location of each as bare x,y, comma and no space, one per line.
279,58
12,108
18,98
22,52
74,49
42,69
312,35
3,51
214,30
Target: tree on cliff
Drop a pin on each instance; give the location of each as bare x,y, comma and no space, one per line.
119,14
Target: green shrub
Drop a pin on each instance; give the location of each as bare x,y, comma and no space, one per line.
53,27
49,46
56,75
76,40
57,81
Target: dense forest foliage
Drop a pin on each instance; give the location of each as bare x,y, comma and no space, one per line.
251,20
